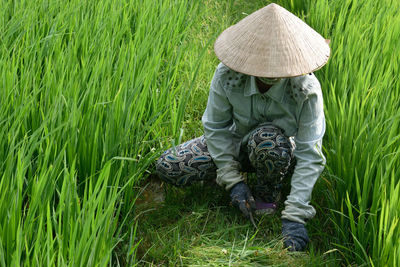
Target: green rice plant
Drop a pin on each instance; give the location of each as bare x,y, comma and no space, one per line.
92,91
88,90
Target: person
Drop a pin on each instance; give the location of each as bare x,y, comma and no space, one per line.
264,115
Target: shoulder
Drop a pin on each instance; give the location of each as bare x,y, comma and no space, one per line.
229,79
305,86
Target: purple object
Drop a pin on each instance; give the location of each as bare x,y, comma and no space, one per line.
264,208
260,205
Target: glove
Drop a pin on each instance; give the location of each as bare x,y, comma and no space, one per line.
242,198
295,235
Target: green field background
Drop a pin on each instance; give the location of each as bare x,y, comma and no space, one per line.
91,92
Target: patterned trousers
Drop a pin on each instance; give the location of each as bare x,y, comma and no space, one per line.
269,154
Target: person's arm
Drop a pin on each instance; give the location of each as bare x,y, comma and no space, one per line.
309,157
217,119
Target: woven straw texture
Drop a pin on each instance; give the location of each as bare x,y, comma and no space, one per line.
272,42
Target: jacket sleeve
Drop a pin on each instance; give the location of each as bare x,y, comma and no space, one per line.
309,157
217,120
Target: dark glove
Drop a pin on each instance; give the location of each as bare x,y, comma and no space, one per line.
242,198
295,235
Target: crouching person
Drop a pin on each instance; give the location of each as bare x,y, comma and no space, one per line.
264,115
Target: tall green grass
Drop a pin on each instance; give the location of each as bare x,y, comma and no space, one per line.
89,89
92,91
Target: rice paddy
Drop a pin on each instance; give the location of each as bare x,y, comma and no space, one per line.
91,92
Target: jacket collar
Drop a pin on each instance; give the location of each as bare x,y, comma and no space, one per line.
276,92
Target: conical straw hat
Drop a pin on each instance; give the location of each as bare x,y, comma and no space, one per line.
272,42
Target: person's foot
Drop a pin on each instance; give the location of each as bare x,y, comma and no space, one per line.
267,192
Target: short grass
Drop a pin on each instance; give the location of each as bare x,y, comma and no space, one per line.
196,226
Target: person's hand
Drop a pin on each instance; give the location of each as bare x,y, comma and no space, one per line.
295,235
243,199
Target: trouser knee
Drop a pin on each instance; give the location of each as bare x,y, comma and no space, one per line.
186,163
270,151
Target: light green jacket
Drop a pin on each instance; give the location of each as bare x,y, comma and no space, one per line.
235,107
